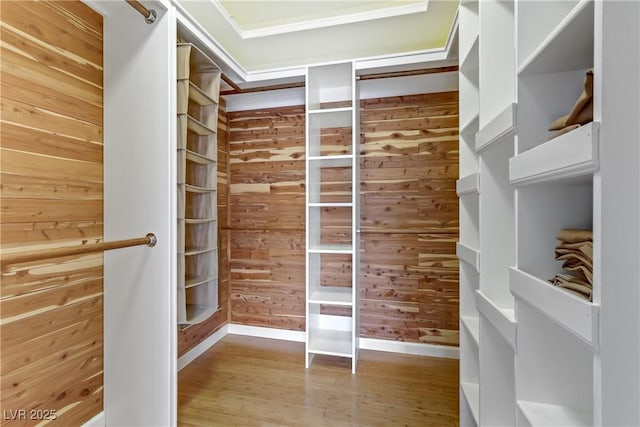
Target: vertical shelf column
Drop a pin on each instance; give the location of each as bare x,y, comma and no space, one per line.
198,89
468,189
332,200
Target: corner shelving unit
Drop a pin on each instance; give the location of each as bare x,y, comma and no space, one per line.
543,356
332,200
198,88
468,190
557,340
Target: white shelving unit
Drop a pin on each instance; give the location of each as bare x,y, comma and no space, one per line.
332,214
543,356
468,189
198,88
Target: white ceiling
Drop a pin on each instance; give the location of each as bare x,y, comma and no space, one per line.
271,35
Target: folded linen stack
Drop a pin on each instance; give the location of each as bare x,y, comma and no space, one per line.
575,250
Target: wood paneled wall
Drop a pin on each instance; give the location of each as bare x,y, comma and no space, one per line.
191,336
51,195
409,218
267,219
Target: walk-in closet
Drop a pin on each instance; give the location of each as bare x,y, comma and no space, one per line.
310,213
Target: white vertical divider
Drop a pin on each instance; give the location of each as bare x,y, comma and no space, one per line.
140,329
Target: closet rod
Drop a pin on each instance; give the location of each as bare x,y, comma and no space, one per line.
18,258
149,14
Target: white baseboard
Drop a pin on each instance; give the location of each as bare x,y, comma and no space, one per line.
262,332
97,421
419,349
205,345
299,336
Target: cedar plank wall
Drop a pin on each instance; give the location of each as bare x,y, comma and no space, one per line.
409,218
51,195
191,336
267,220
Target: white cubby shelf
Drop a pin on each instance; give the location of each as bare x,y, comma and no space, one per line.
468,184
542,414
472,325
502,319
569,46
500,127
471,393
469,255
575,314
572,155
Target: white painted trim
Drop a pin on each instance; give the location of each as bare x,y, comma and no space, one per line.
97,421
313,24
262,332
235,70
202,347
419,349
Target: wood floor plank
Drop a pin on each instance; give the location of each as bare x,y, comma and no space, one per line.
262,382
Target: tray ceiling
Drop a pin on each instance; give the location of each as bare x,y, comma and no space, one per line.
275,34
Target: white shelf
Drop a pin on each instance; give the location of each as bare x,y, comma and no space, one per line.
570,155
469,255
330,118
471,126
342,160
472,325
542,414
568,47
570,311
502,126
468,184
469,60
332,296
471,393
330,342
331,205
331,249
502,319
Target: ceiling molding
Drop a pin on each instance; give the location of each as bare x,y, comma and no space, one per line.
312,24
234,70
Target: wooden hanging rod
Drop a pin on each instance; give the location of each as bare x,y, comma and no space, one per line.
18,258
149,14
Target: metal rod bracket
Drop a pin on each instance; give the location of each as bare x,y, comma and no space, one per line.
153,239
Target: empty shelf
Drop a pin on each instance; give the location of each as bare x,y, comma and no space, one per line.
197,251
198,128
191,281
502,319
542,414
568,47
192,156
502,126
195,189
340,160
331,205
331,249
570,155
198,96
330,342
198,313
332,296
468,255
471,392
468,184
199,220
472,324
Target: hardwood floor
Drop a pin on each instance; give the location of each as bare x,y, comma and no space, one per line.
246,381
